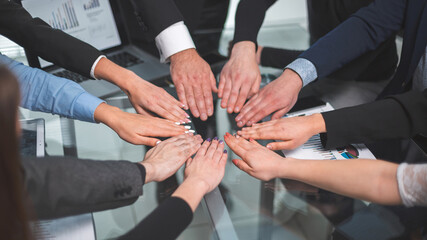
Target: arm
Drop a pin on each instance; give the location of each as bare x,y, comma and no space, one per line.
240,78
202,175
44,92
61,187
399,116
37,36
371,180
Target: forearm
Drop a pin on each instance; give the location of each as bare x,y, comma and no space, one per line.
52,184
44,92
192,192
400,116
109,71
249,18
370,180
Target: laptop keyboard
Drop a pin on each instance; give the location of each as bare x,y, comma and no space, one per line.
122,59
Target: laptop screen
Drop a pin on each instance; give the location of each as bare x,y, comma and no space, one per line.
91,21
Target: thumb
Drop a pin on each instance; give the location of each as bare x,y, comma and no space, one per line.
279,114
213,84
288,145
242,165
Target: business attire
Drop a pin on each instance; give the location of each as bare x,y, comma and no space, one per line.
55,46
396,117
324,16
44,92
59,187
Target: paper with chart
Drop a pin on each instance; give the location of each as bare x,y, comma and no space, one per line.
313,148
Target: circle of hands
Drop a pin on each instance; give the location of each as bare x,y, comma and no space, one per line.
161,115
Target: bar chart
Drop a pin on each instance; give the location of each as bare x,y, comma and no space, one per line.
64,17
91,4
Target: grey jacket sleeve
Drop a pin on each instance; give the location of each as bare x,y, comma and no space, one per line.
61,186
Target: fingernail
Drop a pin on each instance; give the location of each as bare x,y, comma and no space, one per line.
182,121
177,123
269,147
237,136
221,142
249,123
235,161
188,121
251,139
208,140
225,151
236,110
229,110
238,118
182,105
215,138
187,127
190,131
157,143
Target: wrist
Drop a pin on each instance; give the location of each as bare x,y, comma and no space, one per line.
109,71
105,113
285,168
247,48
291,78
317,123
149,171
199,184
182,55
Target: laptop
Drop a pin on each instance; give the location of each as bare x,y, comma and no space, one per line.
80,227
100,24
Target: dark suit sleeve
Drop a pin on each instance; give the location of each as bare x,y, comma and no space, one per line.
400,116
159,14
38,37
59,186
249,17
362,32
166,222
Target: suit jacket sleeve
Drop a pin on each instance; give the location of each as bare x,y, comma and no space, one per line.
159,15
59,187
249,17
167,221
38,37
362,32
399,116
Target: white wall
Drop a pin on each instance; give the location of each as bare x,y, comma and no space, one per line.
282,12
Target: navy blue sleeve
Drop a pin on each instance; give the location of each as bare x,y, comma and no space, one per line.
362,32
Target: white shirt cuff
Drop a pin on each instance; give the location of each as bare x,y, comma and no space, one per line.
174,39
92,70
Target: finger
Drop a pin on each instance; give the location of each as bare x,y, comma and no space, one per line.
221,85
143,112
203,149
234,94
226,94
234,144
223,160
213,83
175,110
211,150
255,87
268,132
141,140
247,109
242,165
191,101
166,114
279,114
243,95
207,93
262,109
188,163
180,90
287,145
200,102
219,152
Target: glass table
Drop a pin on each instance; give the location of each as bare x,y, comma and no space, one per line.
242,207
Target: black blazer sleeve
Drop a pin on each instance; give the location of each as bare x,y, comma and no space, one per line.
38,37
166,222
59,186
250,15
399,116
159,14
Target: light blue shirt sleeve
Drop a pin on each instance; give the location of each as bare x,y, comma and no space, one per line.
44,92
305,69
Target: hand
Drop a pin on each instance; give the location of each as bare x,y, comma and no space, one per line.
135,128
167,157
208,165
240,78
144,96
194,82
293,131
279,96
257,161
